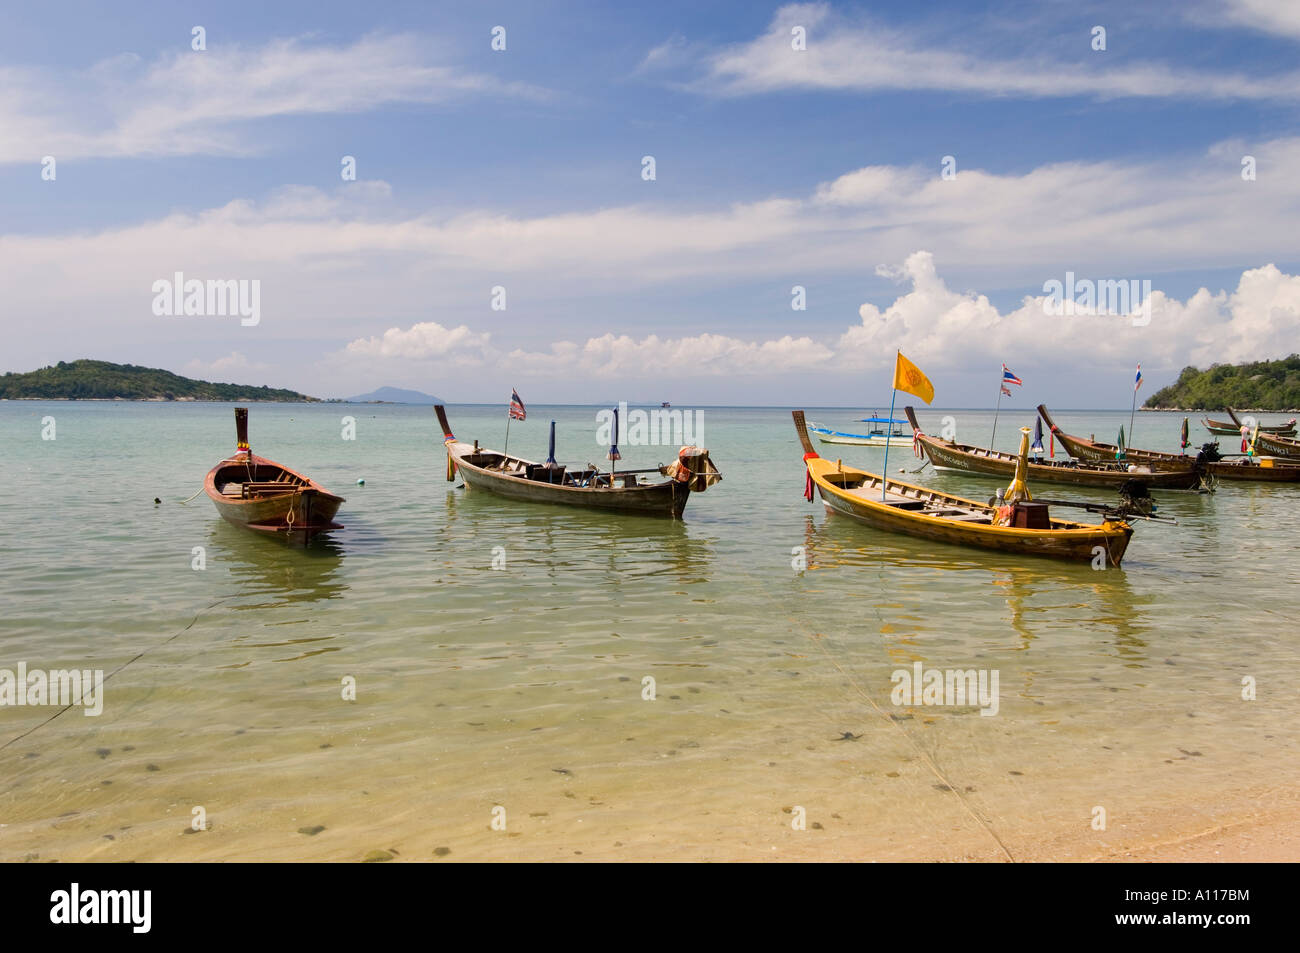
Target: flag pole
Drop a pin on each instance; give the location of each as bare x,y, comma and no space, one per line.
509,416
884,477
1132,411
997,410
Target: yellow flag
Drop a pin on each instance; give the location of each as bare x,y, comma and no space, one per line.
908,377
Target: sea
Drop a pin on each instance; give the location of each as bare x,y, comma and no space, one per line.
458,677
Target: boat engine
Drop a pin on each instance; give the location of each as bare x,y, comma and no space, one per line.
1135,499
1209,453
694,468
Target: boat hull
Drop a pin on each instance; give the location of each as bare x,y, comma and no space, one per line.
974,460
1277,473
302,512
1074,544
666,499
896,507
1090,451
1277,446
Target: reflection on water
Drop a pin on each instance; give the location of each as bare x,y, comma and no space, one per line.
560,540
522,685
274,571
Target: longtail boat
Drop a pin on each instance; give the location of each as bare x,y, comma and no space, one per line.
624,490
260,494
1090,451
1018,526
1276,445
877,436
947,455
1224,428
1266,470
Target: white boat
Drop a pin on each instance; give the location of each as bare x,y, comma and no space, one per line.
877,436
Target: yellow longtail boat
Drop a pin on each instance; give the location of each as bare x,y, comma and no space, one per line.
1018,526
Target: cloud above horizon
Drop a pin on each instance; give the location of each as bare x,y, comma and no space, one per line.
191,102
861,54
939,328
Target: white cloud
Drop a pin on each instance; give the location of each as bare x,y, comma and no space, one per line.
225,369
424,340
197,103
1281,17
941,329
854,54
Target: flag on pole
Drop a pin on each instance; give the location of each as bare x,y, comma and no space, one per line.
908,377
1119,444
1138,380
1005,391
1037,446
517,411
1009,378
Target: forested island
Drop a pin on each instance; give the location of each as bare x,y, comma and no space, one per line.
102,380
1260,386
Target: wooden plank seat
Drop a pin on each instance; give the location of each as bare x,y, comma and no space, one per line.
267,488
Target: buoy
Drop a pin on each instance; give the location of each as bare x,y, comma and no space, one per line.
361,482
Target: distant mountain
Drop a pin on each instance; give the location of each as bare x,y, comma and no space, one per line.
1262,385
395,395
102,380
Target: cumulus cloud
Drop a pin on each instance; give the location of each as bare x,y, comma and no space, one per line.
424,340
937,327
848,53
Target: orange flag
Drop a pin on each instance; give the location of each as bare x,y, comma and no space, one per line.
908,377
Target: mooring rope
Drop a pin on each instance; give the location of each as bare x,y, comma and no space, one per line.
129,661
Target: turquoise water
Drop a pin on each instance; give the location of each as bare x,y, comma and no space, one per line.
522,687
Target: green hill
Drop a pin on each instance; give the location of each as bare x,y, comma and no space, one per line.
1262,385
101,380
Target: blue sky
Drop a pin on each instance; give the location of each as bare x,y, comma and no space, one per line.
775,167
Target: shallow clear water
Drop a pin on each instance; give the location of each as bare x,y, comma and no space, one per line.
522,687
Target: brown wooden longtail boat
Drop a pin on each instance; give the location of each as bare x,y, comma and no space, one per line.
1021,526
1276,445
260,494
622,491
1224,428
947,455
1090,451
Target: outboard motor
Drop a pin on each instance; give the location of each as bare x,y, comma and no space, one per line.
1209,453
1135,498
694,468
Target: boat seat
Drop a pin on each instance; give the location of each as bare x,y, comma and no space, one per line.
906,504
262,489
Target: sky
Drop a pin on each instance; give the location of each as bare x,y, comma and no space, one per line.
723,203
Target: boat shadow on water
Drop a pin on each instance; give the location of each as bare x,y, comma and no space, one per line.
1102,602
564,540
277,570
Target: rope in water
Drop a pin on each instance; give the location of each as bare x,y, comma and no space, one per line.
129,661
921,752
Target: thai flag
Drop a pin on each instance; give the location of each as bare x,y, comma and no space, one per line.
1009,378
1138,381
1005,391
517,411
